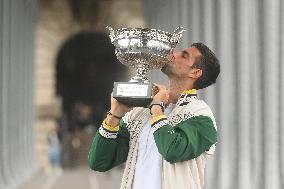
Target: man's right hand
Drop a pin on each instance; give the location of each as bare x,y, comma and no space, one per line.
117,110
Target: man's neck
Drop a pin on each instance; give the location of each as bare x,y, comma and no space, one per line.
176,88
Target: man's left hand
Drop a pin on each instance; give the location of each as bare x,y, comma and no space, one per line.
161,94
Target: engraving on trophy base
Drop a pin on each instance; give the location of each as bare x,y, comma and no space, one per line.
133,94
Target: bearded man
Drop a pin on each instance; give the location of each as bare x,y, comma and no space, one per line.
166,145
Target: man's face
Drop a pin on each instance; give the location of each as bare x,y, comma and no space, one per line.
181,62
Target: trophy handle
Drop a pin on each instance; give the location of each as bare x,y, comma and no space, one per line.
111,33
176,36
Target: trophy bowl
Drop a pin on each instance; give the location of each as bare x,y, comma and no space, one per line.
143,49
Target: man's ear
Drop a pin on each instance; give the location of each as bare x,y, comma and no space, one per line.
195,73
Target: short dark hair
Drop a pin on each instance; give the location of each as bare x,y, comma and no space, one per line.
209,64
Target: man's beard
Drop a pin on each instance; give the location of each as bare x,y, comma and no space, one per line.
167,70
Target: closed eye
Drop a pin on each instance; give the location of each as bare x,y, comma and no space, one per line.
185,54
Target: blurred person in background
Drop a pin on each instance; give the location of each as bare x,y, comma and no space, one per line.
82,116
54,152
78,142
166,145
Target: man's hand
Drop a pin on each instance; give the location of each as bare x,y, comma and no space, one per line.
117,110
161,94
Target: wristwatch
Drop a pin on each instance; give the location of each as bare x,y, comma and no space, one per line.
161,104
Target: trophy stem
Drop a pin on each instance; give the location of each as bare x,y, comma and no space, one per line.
141,74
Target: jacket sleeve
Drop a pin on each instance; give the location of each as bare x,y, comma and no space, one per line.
106,153
187,140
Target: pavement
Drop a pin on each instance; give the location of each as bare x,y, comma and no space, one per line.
76,178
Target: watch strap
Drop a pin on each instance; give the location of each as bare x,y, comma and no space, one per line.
161,104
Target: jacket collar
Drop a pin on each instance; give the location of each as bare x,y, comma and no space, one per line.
186,96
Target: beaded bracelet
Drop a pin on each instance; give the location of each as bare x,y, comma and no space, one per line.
117,117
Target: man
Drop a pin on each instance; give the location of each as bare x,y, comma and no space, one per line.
166,145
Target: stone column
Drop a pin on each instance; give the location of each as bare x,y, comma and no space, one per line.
247,100
17,157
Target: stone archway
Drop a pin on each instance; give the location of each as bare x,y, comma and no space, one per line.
86,68
57,22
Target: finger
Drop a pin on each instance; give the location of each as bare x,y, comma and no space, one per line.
155,87
160,86
155,92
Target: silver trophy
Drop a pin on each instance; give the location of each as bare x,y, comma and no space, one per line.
143,49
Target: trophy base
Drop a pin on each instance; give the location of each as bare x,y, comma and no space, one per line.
133,94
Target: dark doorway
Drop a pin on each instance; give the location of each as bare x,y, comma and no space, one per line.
85,71
86,68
